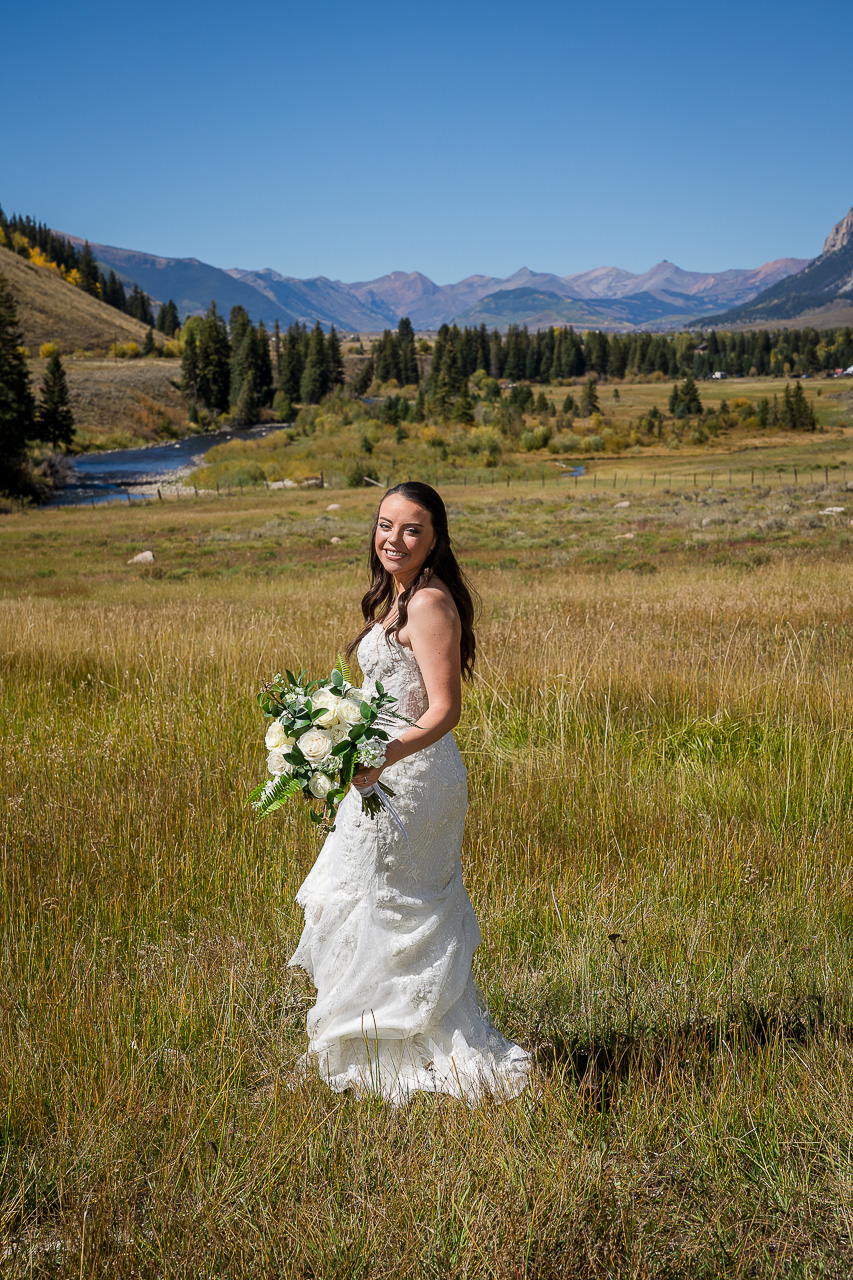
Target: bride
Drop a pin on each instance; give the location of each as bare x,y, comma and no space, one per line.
389,928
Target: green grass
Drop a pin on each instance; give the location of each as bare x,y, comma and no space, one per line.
340,435
657,849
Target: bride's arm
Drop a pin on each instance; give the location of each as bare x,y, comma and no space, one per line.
434,632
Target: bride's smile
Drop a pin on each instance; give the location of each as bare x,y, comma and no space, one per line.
404,538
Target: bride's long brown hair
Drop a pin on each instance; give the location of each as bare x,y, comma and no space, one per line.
380,599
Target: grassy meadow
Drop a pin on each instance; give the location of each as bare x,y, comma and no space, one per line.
345,438
658,850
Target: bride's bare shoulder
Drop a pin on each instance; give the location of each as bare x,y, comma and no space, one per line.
432,603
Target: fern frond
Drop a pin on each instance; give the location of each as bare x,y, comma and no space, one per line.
343,666
273,794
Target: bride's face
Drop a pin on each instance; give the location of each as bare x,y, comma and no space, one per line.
404,537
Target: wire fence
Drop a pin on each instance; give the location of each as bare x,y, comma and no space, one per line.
577,480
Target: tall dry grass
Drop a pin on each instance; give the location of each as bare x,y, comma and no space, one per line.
658,851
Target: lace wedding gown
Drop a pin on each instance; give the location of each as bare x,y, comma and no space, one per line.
390,931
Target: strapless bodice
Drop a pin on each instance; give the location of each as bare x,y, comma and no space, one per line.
383,658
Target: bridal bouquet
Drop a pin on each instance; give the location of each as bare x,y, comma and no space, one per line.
321,731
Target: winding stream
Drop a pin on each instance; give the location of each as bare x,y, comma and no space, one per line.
100,477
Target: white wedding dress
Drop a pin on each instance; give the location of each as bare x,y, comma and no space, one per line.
390,931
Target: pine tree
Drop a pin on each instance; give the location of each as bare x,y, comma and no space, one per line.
387,358
246,409
334,360
292,362
418,410
149,346
89,274
139,306
362,380
463,410
240,330
189,368
114,294
589,399
55,419
408,361
684,399
214,355
797,413
262,364
315,377
17,405
168,320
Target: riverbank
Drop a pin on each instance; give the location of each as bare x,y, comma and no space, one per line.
141,471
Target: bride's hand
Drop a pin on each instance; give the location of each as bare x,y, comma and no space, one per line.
364,778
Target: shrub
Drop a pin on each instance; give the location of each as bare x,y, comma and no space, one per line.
482,440
125,351
357,474
282,407
535,438
566,442
48,349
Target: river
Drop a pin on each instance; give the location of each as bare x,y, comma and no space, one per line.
100,477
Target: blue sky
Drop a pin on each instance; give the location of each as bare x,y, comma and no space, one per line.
451,138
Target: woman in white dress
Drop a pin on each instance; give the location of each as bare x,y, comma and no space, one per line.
389,928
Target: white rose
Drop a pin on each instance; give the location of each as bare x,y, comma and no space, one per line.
349,712
277,739
320,785
277,765
315,745
330,702
337,733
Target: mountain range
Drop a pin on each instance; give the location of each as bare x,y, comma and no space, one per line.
665,296
823,290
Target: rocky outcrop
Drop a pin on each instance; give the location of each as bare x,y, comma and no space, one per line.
840,236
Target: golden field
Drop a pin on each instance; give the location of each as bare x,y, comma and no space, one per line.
658,850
